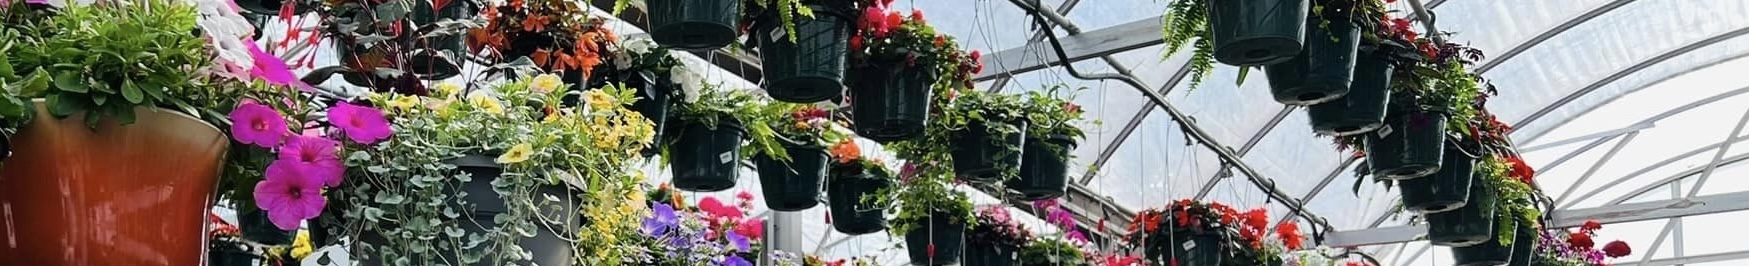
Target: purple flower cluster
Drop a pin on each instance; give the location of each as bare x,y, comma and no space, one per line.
1552,246
1056,215
291,191
698,238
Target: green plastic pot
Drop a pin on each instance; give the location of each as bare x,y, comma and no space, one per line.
811,69
706,157
890,104
1363,108
1468,225
794,185
1321,72
1186,248
983,156
435,57
1044,168
989,254
1445,190
940,242
1257,32
1410,145
1487,253
694,24
1523,246
849,214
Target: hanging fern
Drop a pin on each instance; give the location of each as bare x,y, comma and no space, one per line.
1186,22
787,10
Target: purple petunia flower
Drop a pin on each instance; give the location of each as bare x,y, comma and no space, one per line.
733,260
289,196
661,219
364,125
315,157
741,242
256,124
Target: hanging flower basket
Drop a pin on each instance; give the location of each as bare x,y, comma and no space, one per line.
706,157
1186,247
1468,225
940,242
1487,253
62,172
1363,108
849,214
436,57
991,254
1323,71
981,155
1445,190
548,247
1523,246
694,24
656,97
1044,168
1408,146
793,185
811,68
890,104
1258,32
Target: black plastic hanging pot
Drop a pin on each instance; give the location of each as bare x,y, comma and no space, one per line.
1363,108
810,69
1321,72
694,24
436,57
1409,145
990,254
1487,253
939,242
547,247
793,185
1044,168
706,156
655,96
844,193
1523,246
1445,190
890,103
1185,247
231,258
1257,32
1468,225
269,7
983,155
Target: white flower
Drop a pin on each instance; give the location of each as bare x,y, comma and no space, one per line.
229,35
691,83
639,45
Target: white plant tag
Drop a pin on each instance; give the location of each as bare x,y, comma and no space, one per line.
726,157
777,33
1384,131
1189,244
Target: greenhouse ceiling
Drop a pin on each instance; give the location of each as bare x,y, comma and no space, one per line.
1617,103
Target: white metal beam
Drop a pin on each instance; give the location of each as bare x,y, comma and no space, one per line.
1087,45
1630,212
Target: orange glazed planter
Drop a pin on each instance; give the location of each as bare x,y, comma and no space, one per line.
117,195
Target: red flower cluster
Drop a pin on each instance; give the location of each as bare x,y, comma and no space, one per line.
1252,225
1582,241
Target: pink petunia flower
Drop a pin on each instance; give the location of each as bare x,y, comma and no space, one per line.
289,196
716,208
269,68
256,124
364,125
315,157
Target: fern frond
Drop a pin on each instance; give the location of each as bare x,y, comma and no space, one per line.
620,5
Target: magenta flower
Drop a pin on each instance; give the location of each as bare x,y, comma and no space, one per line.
256,124
364,125
717,209
316,157
289,196
269,68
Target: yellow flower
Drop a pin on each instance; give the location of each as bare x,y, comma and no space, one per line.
446,89
488,104
598,99
546,83
404,102
553,117
301,246
516,154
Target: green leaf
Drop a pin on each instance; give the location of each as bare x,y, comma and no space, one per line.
36,84
1243,71
71,81
384,197
125,113
12,107
5,66
99,99
132,92
61,107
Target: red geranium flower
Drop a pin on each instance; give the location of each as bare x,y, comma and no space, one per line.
1617,249
1580,240
1591,225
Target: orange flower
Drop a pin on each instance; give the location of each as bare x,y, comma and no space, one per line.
846,151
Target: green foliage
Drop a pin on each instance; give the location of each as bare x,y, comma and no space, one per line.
1052,111
106,60
798,124
927,196
1052,251
1512,198
1186,22
713,106
786,11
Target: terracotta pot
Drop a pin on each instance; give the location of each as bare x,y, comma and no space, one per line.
116,195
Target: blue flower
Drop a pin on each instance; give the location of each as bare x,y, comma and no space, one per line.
741,243
733,260
660,220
